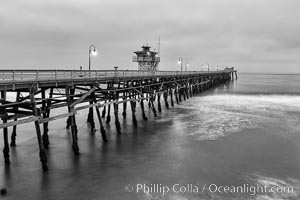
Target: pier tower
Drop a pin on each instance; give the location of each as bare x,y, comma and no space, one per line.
146,59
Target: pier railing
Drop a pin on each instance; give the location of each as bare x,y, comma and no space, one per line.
41,75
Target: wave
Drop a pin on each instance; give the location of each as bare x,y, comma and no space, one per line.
213,116
265,93
281,189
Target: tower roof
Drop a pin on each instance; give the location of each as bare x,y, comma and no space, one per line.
145,50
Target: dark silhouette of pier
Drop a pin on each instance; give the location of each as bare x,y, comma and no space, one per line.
38,92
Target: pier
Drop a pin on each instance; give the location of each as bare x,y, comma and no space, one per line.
31,96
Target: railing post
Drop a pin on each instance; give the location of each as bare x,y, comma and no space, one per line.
14,75
72,75
37,75
55,74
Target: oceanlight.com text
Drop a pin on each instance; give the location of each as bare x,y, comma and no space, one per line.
247,189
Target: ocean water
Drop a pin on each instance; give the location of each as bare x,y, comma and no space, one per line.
241,135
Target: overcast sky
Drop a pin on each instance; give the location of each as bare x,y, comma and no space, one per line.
252,35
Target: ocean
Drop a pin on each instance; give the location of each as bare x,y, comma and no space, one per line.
237,141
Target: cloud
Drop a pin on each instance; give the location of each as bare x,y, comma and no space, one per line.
231,32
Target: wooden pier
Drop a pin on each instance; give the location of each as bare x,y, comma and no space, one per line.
30,96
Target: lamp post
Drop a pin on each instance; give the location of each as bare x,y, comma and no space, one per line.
180,61
92,51
187,66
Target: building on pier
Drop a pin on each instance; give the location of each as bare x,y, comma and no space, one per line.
147,60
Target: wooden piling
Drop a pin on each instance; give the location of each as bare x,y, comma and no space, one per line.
42,153
117,122
158,103
45,136
91,117
183,93
124,105
68,123
186,91
102,129
191,90
171,97
74,130
166,99
5,130
108,114
14,132
104,111
179,94
152,105
133,106
143,110
176,95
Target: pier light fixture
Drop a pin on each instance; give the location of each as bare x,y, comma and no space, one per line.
92,52
187,66
207,67
180,62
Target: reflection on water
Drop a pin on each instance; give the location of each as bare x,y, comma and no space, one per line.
240,133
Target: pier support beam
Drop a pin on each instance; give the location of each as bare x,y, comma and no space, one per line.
90,119
143,110
166,99
74,129
68,123
124,109
176,95
179,94
191,90
183,93
125,103
171,97
46,103
117,122
133,106
5,131
102,129
152,105
108,114
43,156
186,91
14,132
104,111
158,102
